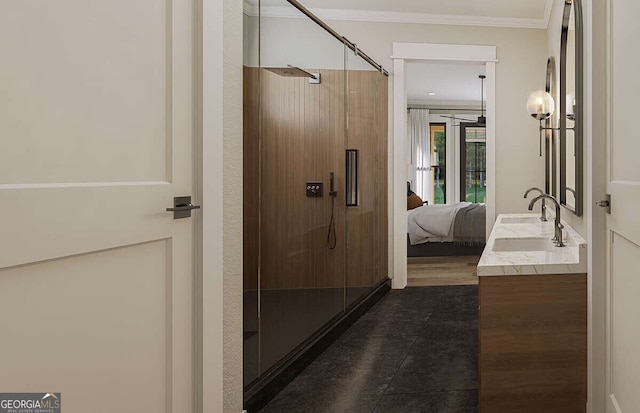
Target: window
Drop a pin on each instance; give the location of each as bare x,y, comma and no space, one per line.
438,156
473,162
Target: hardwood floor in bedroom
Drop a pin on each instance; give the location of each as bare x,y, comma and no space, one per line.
431,271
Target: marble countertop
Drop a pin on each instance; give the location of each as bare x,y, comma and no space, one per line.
545,259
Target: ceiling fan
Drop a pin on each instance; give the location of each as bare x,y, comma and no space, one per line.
482,120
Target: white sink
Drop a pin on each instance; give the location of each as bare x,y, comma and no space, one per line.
521,244
520,220
523,249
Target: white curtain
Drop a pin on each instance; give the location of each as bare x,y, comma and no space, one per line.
419,151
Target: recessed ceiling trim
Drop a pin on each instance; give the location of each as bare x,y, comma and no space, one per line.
401,17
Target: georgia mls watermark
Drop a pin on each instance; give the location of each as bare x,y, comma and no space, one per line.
30,403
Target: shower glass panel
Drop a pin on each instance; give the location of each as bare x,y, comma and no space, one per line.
364,87
251,181
302,236
309,252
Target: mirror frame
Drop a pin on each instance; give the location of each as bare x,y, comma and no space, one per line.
550,124
579,119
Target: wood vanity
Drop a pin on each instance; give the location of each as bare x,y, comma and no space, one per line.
532,327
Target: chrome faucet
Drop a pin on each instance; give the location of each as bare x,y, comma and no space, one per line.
543,216
558,227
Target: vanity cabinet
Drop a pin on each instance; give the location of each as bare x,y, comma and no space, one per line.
533,343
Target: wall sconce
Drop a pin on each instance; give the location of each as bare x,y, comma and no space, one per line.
571,106
541,106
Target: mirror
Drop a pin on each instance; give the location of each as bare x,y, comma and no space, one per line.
550,135
571,107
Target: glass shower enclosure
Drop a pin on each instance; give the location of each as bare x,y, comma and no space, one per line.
315,182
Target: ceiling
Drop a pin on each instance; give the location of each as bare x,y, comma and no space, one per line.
453,84
497,13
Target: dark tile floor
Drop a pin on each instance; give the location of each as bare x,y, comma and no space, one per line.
416,350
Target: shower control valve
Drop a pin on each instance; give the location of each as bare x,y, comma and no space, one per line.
314,189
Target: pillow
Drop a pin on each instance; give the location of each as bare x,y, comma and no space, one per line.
413,201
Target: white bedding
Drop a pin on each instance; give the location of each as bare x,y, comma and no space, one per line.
432,223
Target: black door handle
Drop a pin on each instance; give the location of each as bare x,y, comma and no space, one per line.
182,207
187,207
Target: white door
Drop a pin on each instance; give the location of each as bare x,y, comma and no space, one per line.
623,225
97,137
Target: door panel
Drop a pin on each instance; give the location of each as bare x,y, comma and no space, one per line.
623,226
625,335
97,92
96,329
96,278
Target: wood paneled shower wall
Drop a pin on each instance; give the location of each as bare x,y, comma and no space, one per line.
296,132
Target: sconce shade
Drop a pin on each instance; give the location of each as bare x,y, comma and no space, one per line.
571,106
540,105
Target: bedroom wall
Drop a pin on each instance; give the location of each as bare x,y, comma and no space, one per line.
521,68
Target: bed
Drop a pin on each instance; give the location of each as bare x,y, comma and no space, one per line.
445,230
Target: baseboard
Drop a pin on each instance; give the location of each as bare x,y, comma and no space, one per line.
265,389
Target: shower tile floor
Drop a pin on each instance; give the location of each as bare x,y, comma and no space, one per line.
289,317
416,350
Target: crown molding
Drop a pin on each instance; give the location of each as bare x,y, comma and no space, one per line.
401,17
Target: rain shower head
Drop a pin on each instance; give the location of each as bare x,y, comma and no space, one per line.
292,71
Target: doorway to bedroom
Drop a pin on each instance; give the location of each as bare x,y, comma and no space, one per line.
446,145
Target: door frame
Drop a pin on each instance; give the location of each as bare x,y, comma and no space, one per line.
213,74
404,53
596,105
